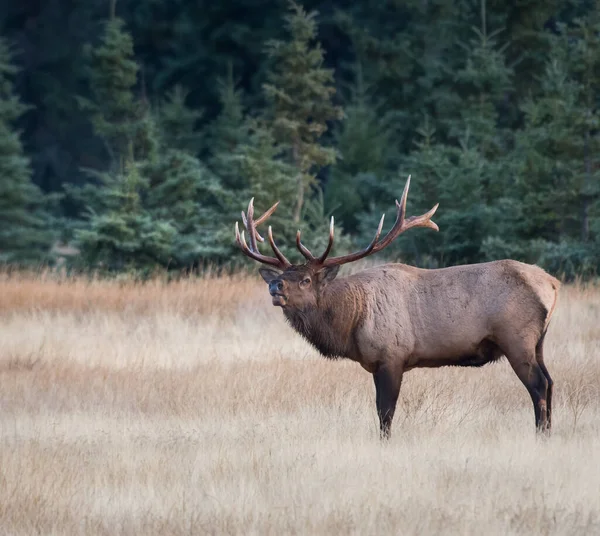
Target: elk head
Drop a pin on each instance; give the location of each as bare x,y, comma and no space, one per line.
299,286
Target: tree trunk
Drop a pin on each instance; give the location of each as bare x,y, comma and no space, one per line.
585,219
299,198
300,179
585,198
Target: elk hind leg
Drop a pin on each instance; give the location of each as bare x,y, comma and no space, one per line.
533,378
539,356
387,388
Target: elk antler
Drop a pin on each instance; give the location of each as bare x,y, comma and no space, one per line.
401,225
376,245
260,220
252,251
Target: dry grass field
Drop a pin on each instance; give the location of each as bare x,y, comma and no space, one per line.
191,408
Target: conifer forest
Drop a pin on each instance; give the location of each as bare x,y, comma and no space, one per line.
132,133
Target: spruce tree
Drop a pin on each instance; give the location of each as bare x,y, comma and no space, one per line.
177,122
484,81
116,114
186,193
559,182
300,93
124,236
120,232
468,168
24,221
267,177
364,141
484,224
176,196
441,173
228,132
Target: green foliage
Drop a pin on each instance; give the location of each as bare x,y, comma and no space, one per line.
119,234
124,235
484,81
185,193
563,121
177,123
364,141
24,233
266,176
560,180
491,106
227,133
115,112
300,91
161,207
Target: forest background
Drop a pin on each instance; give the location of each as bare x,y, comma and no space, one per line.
133,133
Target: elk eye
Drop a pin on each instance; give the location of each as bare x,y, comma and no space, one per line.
305,282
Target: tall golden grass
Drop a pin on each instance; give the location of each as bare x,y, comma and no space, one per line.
192,408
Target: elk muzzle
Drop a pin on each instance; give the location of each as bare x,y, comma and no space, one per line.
277,291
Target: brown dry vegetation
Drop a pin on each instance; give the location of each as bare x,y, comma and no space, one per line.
192,408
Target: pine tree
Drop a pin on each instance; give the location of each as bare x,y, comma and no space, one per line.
162,187
468,168
177,123
559,182
267,177
24,233
228,132
300,91
441,173
586,71
409,53
364,141
486,225
124,235
484,82
120,232
184,191
189,196
116,114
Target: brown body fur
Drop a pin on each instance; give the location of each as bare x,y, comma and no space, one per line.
394,318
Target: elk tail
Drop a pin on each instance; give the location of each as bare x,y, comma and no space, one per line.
555,286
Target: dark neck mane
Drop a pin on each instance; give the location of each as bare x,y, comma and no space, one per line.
322,327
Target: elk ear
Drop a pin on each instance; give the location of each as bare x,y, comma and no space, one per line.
268,275
327,275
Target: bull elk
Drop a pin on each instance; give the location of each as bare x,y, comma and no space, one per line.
393,318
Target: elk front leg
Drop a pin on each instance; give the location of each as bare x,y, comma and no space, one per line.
387,388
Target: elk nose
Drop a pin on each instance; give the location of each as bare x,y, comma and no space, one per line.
276,286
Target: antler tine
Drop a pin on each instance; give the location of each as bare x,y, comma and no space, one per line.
266,215
276,250
329,244
252,250
402,205
245,222
251,226
241,241
359,254
400,225
302,248
306,252
423,220
400,218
